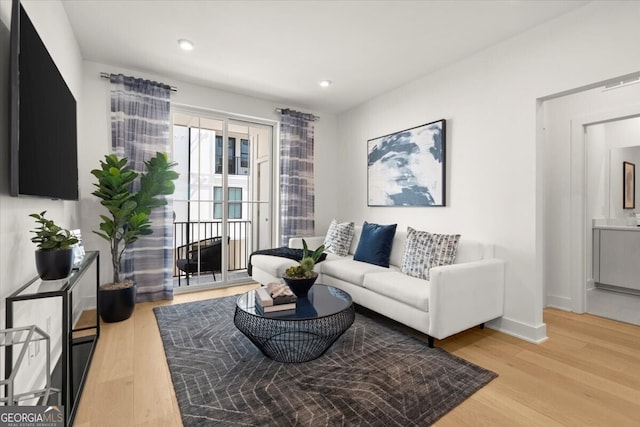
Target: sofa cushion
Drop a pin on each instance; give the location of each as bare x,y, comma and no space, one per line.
400,287
397,250
338,239
332,257
357,231
349,270
375,244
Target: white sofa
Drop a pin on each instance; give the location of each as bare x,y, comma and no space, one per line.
457,297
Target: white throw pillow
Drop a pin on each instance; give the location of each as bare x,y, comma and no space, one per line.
338,239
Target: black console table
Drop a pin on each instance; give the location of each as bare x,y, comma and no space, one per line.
78,343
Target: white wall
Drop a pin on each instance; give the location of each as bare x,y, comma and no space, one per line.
17,264
597,172
94,128
495,166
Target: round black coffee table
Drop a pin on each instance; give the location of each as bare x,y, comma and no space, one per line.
297,335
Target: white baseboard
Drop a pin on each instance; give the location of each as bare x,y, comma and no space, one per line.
532,334
562,303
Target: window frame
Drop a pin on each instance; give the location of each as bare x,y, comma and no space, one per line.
235,204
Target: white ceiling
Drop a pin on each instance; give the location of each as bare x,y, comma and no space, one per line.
280,50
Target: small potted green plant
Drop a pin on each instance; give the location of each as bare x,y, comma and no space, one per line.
300,278
54,257
127,220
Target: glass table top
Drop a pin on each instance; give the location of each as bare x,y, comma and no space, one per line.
322,300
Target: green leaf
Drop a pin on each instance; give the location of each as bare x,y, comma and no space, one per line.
129,210
316,254
49,235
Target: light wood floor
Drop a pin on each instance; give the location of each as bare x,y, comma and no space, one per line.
586,373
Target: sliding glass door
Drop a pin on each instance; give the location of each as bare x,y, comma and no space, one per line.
223,200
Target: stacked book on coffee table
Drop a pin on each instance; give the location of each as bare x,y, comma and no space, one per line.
275,298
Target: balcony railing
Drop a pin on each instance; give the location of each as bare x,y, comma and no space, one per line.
239,232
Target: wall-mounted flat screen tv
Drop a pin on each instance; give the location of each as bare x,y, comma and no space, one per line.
44,158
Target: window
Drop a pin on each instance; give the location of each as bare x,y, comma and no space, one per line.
232,156
235,209
231,151
218,154
244,153
235,203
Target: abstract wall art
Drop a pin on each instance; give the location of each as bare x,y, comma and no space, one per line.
407,168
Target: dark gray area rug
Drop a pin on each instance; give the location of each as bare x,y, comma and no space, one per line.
373,375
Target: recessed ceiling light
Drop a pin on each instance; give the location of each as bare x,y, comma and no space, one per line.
325,83
185,44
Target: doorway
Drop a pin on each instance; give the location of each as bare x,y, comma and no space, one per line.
569,174
223,206
613,285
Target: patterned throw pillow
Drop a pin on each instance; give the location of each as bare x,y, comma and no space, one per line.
442,252
338,239
424,250
415,253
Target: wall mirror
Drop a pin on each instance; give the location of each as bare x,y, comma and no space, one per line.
609,146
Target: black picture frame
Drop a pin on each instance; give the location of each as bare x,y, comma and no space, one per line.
408,167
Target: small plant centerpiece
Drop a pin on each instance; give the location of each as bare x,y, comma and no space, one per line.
128,219
54,257
300,278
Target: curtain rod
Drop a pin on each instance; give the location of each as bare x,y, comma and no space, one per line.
108,76
315,118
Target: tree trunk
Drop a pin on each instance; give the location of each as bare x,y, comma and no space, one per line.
115,260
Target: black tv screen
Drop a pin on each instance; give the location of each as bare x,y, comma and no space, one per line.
44,159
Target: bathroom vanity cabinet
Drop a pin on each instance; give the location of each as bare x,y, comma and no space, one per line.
616,257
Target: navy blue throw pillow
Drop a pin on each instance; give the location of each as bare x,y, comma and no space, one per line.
375,244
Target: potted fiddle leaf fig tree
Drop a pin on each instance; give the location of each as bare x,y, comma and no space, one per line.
54,257
300,278
127,219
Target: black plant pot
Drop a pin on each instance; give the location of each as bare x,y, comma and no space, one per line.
54,264
300,287
116,304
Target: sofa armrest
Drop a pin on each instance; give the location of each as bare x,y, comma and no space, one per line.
313,242
465,295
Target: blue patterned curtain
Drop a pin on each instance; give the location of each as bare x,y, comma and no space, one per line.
140,127
297,194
